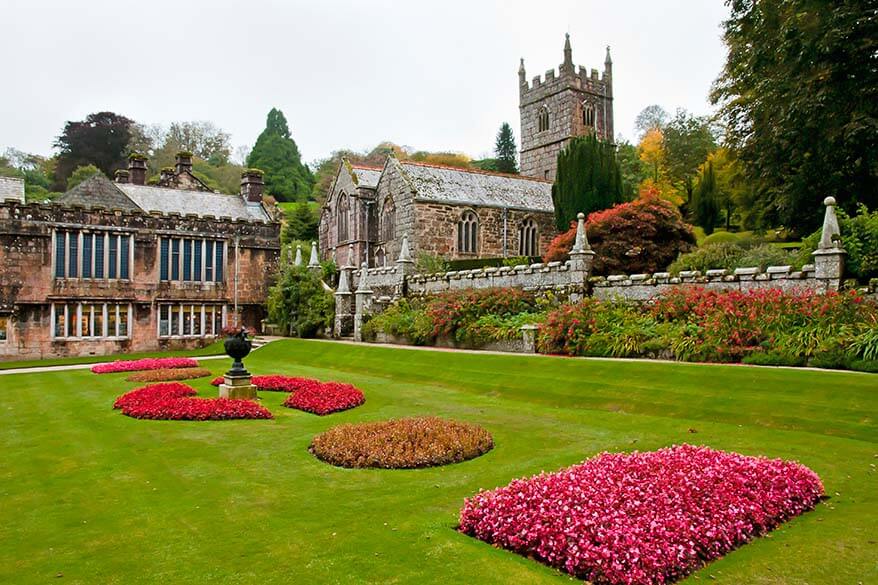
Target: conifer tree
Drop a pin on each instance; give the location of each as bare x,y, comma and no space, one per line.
706,204
588,179
505,150
276,153
301,224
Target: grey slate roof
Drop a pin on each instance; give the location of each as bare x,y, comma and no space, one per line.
100,191
479,188
11,188
165,200
366,176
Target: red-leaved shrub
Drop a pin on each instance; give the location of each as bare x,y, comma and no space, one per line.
644,235
325,398
644,518
143,364
176,401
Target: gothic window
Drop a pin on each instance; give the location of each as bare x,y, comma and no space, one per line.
343,218
388,220
528,238
588,117
468,233
380,258
543,119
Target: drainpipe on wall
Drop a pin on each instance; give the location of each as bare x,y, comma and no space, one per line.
505,230
237,241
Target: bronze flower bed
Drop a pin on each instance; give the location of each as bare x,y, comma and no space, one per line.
166,374
402,443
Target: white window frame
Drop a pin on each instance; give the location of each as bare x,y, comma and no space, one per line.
204,312
73,328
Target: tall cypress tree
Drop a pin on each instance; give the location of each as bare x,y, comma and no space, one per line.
278,156
706,200
588,179
504,150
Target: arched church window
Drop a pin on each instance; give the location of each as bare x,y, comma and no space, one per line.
380,258
543,119
468,233
343,218
588,117
388,220
528,241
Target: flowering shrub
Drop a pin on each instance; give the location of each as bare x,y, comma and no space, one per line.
175,401
692,323
644,518
166,374
325,397
402,443
275,383
453,312
644,235
143,364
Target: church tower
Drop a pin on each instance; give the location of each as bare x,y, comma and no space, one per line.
573,102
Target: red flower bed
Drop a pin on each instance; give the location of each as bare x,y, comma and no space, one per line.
325,398
644,518
143,364
276,383
174,401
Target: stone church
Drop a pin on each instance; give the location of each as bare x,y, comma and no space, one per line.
460,213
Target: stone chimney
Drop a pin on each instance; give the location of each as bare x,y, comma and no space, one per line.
136,169
121,176
167,175
184,162
252,185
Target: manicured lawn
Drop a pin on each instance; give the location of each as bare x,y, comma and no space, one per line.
100,498
215,348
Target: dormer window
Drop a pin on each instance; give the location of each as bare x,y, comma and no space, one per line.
543,119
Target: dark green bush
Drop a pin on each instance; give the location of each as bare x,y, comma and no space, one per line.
773,358
299,303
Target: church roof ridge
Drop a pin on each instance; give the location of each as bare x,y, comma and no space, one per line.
475,171
367,167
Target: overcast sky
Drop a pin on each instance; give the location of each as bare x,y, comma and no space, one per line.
347,74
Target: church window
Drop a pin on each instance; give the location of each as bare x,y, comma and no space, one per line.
588,117
543,119
468,233
528,243
343,218
388,220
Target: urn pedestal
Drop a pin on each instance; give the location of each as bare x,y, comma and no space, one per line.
237,386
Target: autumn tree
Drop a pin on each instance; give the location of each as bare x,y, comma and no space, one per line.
650,118
101,140
276,153
798,97
588,179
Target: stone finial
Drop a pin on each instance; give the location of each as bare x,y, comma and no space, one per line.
568,52
830,225
522,79
581,243
313,261
404,254
363,285
298,260
350,260
608,61
344,285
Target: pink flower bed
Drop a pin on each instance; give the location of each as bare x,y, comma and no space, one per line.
276,383
325,398
175,401
644,518
143,364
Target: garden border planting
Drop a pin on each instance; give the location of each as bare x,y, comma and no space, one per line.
177,401
144,364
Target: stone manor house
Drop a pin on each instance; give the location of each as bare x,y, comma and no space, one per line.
115,267
466,213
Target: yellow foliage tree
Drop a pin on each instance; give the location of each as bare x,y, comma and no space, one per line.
652,152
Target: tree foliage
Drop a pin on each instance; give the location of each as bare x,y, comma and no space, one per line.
687,141
301,224
81,174
101,140
705,206
799,101
276,153
505,150
633,170
299,303
588,179
650,118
